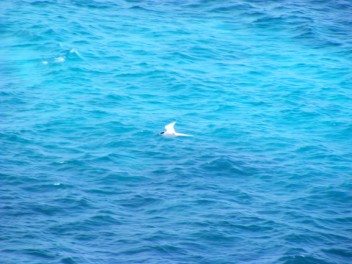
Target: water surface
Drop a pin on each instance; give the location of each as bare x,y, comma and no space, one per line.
86,86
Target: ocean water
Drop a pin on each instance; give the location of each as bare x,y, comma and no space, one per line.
264,86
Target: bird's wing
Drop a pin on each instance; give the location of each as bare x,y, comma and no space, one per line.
170,128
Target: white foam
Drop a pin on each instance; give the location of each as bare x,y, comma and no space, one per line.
60,59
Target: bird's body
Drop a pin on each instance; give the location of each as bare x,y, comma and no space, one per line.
170,131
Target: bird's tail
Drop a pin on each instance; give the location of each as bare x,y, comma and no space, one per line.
183,135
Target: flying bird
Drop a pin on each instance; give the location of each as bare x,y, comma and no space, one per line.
170,131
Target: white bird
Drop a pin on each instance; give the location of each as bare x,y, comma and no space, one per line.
170,131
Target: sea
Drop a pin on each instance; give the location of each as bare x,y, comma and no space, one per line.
263,87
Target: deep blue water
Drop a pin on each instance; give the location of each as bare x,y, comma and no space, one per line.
264,87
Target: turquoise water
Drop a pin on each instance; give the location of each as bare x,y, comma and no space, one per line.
265,88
